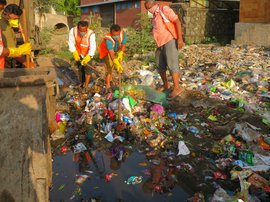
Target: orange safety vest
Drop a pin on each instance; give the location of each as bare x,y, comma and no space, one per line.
82,43
2,58
103,50
169,25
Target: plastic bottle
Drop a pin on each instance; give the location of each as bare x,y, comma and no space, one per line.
246,156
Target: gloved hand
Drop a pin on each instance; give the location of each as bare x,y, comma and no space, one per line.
24,49
76,56
120,56
117,65
85,60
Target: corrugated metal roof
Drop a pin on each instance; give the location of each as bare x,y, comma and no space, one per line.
101,3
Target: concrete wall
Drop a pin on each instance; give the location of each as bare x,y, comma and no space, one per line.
27,109
199,23
52,21
254,26
252,34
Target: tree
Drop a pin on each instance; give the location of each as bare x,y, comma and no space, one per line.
70,7
43,6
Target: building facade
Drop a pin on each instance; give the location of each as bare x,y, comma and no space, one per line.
123,12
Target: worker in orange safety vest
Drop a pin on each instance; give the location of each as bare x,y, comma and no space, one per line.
82,44
111,50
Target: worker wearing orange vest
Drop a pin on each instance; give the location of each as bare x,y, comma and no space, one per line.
82,44
167,33
111,50
24,49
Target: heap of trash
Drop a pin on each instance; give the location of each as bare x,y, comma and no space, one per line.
213,140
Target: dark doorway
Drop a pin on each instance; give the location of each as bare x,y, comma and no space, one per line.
107,15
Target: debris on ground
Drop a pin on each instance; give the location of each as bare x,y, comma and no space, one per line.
213,140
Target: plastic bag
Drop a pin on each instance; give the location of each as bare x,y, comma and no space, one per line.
183,149
246,131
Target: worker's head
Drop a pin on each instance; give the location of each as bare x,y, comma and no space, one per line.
115,31
82,27
3,3
151,5
12,13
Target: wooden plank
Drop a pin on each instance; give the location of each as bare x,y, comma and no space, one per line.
254,11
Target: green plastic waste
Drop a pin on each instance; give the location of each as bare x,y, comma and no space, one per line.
132,102
154,95
150,94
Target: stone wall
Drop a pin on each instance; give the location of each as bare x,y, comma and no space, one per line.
52,21
200,23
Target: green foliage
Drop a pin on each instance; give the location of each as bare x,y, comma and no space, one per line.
181,56
43,6
188,42
64,53
209,40
76,20
45,51
140,40
95,23
70,7
46,34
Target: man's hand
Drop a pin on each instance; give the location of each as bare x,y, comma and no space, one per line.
117,65
85,60
180,43
24,49
76,56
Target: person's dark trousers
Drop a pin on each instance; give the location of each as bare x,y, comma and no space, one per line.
81,72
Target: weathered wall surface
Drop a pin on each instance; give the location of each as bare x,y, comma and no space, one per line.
199,23
52,21
254,25
27,108
252,34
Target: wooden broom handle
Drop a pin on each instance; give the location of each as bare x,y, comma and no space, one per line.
26,36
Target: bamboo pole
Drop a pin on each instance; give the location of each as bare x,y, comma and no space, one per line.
119,101
26,36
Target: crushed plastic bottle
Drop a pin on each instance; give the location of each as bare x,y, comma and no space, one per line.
246,156
134,180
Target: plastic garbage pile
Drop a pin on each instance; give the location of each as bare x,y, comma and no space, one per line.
231,73
219,149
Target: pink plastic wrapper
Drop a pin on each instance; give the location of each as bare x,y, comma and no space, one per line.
57,117
157,108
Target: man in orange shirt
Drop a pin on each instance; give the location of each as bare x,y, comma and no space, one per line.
167,33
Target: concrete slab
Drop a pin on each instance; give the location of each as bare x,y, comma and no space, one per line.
252,34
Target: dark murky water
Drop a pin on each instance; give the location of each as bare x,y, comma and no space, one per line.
65,171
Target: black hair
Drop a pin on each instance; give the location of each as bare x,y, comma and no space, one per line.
3,2
13,9
83,24
115,27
